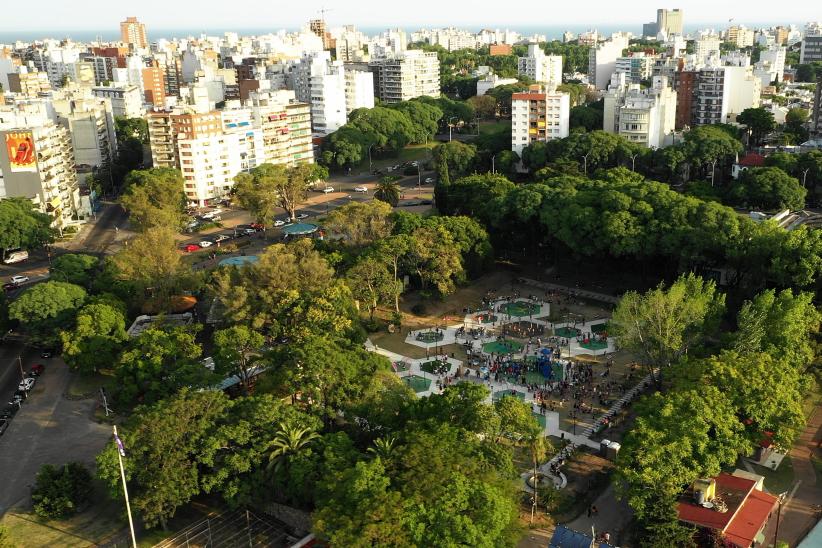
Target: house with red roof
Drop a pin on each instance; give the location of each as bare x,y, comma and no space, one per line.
731,505
751,159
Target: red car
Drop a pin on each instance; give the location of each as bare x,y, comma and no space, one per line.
188,248
37,369
257,226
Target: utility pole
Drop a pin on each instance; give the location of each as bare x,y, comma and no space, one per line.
121,452
20,364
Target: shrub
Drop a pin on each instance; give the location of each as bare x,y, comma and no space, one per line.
418,309
61,492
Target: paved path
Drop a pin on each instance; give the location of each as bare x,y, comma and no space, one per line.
47,430
802,511
612,517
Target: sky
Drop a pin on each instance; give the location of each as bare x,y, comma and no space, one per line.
67,15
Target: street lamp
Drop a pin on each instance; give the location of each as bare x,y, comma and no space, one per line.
633,161
419,177
805,176
450,127
713,171
585,159
493,168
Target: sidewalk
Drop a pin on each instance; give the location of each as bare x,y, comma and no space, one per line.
801,512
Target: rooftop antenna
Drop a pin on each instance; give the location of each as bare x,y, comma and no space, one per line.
323,11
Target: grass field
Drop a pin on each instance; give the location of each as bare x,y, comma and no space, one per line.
567,332
417,383
502,347
594,344
519,309
493,127
498,395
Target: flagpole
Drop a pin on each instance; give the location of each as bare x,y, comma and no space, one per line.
120,451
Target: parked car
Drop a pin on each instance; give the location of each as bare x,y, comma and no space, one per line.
429,179
8,412
46,352
279,222
26,384
221,238
248,231
19,279
188,248
4,423
15,256
211,215
328,190
361,189
10,286
15,400
37,369
302,216
257,226
205,243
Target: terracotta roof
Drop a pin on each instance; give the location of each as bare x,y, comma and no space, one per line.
528,97
748,510
752,159
751,518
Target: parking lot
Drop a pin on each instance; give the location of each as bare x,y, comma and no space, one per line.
47,429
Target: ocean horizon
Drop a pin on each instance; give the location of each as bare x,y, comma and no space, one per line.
550,31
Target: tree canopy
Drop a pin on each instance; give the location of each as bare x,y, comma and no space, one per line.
22,225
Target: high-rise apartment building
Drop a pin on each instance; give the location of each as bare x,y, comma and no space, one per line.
318,27
638,66
721,93
133,32
538,115
414,74
602,60
37,162
359,89
30,84
811,49
126,100
320,82
740,36
669,21
545,69
642,116
154,86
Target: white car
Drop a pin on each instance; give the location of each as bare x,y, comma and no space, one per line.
210,215
279,222
19,279
26,384
361,189
221,238
302,216
429,179
205,243
328,190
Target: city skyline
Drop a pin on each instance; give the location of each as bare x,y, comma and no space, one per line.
256,14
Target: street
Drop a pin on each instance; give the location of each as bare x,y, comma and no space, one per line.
48,429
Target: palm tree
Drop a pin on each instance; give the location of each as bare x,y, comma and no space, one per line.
289,442
538,446
383,447
388,191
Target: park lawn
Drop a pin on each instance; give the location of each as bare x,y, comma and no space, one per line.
493,127
408,154
81,385
89,528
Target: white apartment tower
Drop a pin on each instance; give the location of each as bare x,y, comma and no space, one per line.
545,69
359,89
602,60
642,116
415,74
319,81
538,116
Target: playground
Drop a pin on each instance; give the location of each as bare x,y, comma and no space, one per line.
567,332
416,383
436,367
429,337
524,329
519,309
502,346
485,318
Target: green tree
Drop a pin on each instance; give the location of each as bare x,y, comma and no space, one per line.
237,352
290,292
424,118
258,191
155,198
434,258
390,129
660,325
97,338
152,261
74,268
677,438
131,128
388,190
484,105
159,362
287,445
361,223
371,282
453,159
768,188
516,419
23,226
585,117
45,308
759,122
60,492
795,121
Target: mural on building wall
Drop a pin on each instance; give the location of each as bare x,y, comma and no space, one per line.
20,150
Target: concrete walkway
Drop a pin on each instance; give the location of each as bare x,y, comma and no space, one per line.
612,517
803,509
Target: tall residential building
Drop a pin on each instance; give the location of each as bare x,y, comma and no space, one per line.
359,89
816,116
721,93
133,32
538,116
38,163
90,120
545,69
319,81
154,86
414,74
317,26
706,46
642,116
669,21
637,66
602,60
740,36
30,84
811,49
126,100
286,126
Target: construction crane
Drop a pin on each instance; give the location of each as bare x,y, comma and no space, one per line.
323,11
